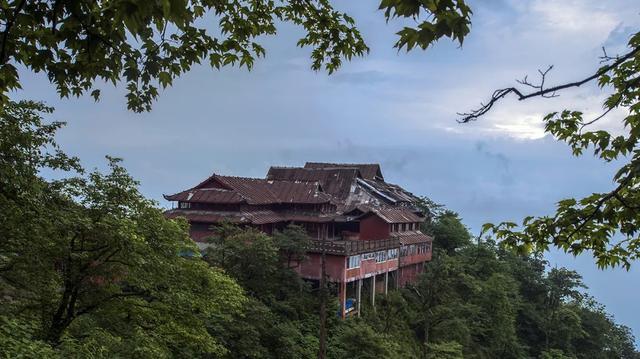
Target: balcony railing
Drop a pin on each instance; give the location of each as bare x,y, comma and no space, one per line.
349,247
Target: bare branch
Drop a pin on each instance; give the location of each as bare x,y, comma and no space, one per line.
541,91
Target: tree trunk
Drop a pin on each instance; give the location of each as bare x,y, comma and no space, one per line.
322,353
426,339
57,325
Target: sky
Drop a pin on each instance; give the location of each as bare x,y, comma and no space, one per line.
393,108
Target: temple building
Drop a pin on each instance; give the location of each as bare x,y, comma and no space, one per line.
368,229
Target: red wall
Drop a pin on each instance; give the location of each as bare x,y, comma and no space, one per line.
409,274
337,270
373,227
370,267
416,258
311,267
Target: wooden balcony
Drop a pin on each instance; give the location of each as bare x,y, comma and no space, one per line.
350,247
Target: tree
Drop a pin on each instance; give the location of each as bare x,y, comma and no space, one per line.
490,302
604,223
147,44
280,320
292,243
356,339
86,258
448,232
250,257
447,350
441,300
500,302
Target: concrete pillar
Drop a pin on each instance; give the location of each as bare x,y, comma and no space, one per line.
386,282
343,299
359,296
373,291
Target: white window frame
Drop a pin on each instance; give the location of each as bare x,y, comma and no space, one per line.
371,255
353,261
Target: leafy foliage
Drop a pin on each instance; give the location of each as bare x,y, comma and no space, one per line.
450,18
84,265
481,301
448,231
606,224
148,44
90,268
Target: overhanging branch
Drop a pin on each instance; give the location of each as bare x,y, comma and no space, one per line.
541,91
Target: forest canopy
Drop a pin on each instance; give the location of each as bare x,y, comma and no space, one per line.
84,260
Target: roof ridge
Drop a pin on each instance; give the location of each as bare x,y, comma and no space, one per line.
266,180
345,163
286,167
241,177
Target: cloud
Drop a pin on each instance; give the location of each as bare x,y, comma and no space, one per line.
360,77
587,18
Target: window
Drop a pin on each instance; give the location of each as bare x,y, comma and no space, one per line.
392,253
366,256
404,227
403,251
185,205
412,249
381,256
394,227
353,262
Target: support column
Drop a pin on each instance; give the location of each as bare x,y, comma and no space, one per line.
373,291
359,296
343,299
386,282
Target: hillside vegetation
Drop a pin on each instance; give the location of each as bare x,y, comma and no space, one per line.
90,268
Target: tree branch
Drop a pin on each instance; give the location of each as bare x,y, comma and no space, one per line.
7,28
541,92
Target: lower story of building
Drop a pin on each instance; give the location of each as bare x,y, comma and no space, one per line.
358,278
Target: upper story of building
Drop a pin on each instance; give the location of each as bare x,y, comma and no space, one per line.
351,205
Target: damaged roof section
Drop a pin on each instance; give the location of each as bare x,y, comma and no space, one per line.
348,184
390,192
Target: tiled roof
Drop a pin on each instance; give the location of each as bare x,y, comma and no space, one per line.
396,215
367,170
227,189
261,191
336,182
207,195
411,237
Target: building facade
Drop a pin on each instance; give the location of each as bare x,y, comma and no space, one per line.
367,229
